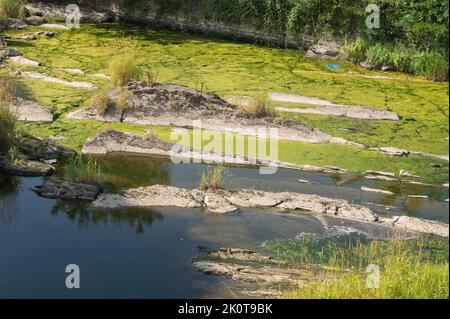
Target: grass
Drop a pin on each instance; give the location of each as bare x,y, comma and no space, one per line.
213,180
409,269
252,71
123,69
429,64
8,118
101,102
257,109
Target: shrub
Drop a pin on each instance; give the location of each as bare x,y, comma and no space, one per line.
12,8
124,69
257,109
8,118
213,180
101,102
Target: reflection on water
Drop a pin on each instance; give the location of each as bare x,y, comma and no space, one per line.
120,172
80,213
9,186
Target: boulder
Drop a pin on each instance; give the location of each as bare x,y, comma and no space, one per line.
27,37
42,150
57,188
48,34
387,68
368,66
10,52
35,20
324,49
404,173
17,24
394,151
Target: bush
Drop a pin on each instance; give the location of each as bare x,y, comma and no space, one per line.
8,118
12,8
124,69
257,109
151,77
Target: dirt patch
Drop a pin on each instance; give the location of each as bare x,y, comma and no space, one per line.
173,105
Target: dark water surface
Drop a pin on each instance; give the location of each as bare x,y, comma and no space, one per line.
146,253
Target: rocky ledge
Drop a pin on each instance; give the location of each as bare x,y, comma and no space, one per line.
180,106
226,201
261,275
34,157
57,188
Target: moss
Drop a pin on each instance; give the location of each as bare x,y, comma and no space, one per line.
246,70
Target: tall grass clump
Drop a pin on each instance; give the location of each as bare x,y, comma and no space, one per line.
101,102
408,270
355,51
123,69
213,180
431,65
83,168
8,118
124,102
12,8
379,55
257,109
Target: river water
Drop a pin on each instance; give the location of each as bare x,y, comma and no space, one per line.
146,253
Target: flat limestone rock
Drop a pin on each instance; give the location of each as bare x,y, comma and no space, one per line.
46,78
215,203
153,196
374,190
422,226
54,26
56,188
331,109
224,201
251,267
26,168
74,71
23,61
29,111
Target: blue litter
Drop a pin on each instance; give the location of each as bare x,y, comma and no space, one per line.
334,66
